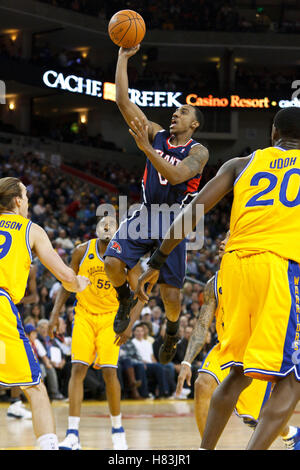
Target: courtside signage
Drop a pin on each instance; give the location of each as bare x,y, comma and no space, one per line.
165,99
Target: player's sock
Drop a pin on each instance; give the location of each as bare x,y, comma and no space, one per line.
48,442
172,327
73,422
116,421
123,292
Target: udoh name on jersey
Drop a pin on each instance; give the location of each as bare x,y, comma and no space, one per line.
283,163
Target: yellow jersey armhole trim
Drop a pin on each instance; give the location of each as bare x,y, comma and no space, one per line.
27,240
246,167
86,252
216,288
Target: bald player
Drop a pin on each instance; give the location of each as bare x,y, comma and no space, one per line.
93,337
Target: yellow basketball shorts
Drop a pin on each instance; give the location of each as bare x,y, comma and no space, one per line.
93,338
251,400
18,363
260,300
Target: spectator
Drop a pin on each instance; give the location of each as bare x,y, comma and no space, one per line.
64,241
36,313
157,317
63,342
50,358
154,370
39,208
130,357
148,333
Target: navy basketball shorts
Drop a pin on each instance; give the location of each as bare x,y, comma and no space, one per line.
139,235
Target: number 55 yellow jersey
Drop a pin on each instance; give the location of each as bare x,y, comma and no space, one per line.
265,214
100,296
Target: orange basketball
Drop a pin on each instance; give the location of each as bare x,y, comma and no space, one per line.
126,28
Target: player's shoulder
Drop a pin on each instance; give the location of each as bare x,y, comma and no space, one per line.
81,248
196,148
155,129
162,133
235,166
242,163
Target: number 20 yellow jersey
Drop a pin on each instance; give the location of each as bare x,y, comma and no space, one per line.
265,214
100,296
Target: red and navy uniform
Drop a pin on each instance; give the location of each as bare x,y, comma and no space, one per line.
155,188
152,225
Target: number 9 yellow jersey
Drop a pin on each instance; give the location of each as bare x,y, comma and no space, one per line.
15,255
265,214
100,296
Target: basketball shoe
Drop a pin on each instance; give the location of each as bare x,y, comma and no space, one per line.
18,410
293,442
168,349
119,439
71,441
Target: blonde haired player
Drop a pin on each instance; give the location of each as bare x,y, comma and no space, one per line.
261,309
210,373
19,237
93,337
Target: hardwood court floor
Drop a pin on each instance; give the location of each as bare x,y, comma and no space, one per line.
149,425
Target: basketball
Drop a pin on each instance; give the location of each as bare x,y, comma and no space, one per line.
126,28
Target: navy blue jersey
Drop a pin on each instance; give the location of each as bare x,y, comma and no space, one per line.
156,188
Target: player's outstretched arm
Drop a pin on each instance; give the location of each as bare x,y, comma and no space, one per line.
208,197
63,294
199,334
42,247
129,109
186,222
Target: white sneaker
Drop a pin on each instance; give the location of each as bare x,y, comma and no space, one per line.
18,410
186,392
71,441
119,439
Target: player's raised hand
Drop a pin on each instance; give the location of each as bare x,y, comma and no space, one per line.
185,374
150,277
140,132
128,52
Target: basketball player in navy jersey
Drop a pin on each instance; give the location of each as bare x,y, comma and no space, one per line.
172,176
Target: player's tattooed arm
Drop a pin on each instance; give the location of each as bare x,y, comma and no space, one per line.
198,156
128,109
204,320
198,337
193,164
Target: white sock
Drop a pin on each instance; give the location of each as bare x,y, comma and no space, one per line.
73,422
48,442
116,421
291,433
